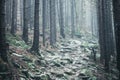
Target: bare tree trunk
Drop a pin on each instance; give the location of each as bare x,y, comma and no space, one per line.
52,23
25,22
35,46
72,19
14,19
106,33
44,24
3,51
116,7
61,19
101,34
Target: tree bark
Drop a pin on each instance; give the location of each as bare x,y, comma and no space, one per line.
35,46
116,8
3,51
14,20
72,19
105,32
61,19
44,23
25,22
52,23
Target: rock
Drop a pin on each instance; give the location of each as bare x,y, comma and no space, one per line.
65,51
65,45
18,55
67,48
83,76
22,78
69,72
26,59
31,74
42,69
15,64
69,61
51,52
41,62
63,62
85,58
45,77
78,35
57,64
37,62
25,72
58,74
32,65
37,77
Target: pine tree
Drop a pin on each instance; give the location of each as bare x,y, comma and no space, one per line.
35,46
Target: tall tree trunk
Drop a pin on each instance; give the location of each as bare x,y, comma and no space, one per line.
3,51
10,14
72,19
21,14
7,12
52,23
105,32
13,25
61,16
35,46
32,15
44,24
101,35
25,22
116,7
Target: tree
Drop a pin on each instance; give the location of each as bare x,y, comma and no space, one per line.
3,51
106,33
32,15
72,19
8,8
116,7
52,23
93,14
35,46
61,18
44,19
66,13
101,27
21,14
14,17
25,22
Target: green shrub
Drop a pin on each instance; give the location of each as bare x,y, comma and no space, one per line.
16,41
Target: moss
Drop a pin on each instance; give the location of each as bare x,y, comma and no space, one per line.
16,41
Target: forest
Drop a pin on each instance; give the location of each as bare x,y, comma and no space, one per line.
59,39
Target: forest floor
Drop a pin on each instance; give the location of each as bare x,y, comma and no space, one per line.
70,59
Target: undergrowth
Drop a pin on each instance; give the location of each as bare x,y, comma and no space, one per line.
16,41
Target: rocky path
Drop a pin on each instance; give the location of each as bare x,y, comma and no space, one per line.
70,60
